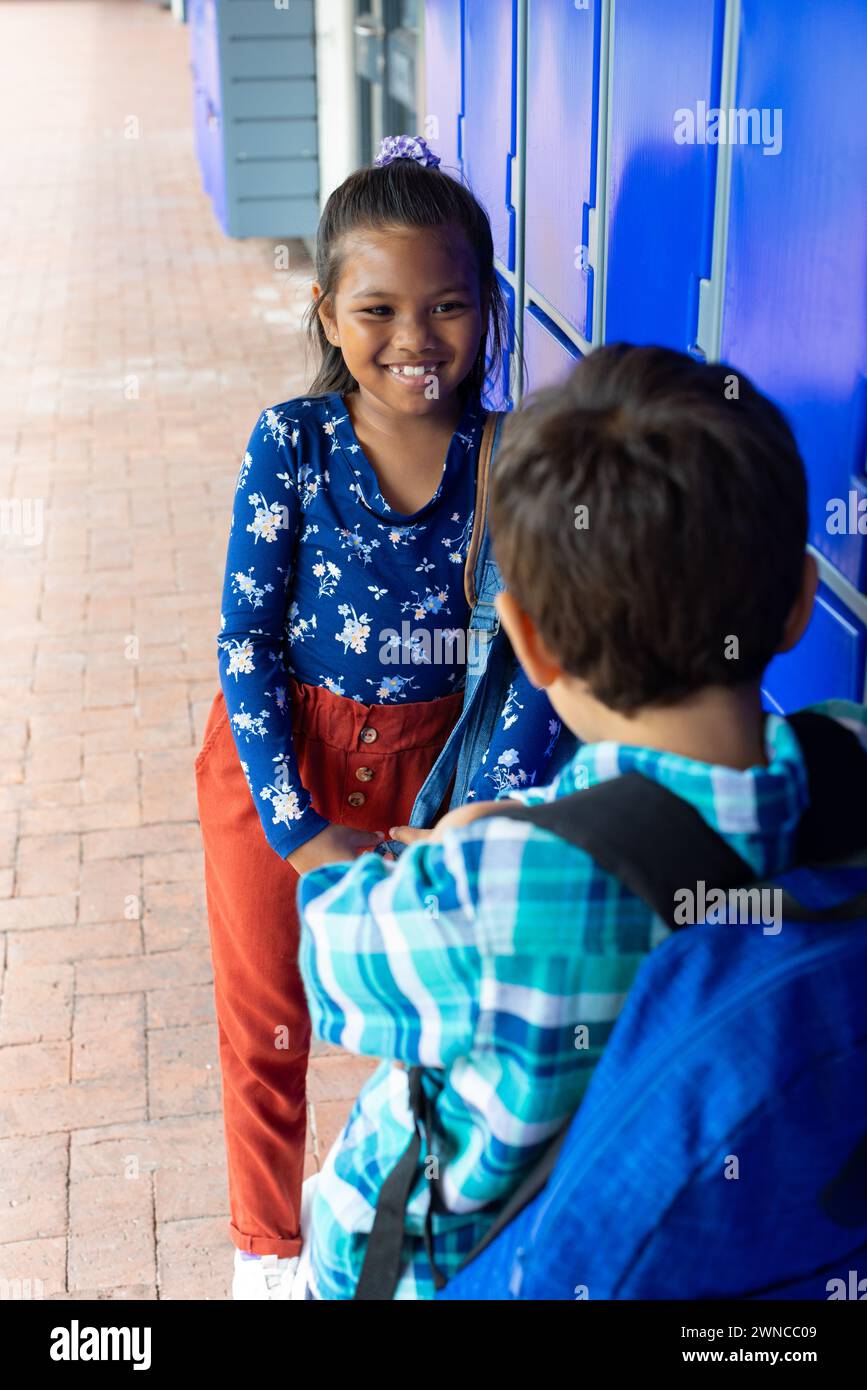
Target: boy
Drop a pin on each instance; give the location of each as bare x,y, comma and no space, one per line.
651,532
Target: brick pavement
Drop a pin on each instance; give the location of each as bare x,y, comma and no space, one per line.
139,346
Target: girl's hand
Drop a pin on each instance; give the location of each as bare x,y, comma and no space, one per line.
461,815
408,834
333,845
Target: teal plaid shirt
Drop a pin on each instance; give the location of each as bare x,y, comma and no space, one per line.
499,960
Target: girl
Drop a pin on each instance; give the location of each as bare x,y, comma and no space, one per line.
340,668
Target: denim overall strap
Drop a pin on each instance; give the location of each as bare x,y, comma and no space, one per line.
488,676
472,734
465,745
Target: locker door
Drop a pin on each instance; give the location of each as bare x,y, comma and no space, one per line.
488,127
796,284
563,45
498,396
667,59
200,127
205,69
549,353
204,42
827,664
442,108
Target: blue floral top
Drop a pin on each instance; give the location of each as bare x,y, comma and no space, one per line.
328,583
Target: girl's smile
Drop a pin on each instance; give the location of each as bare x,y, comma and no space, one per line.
415,378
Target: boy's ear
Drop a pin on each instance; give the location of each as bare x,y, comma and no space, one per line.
802,609
539,663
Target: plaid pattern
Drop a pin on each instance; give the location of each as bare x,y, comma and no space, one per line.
499,960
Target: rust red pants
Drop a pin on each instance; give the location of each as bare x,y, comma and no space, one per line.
254,926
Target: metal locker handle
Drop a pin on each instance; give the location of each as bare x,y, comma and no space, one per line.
592,238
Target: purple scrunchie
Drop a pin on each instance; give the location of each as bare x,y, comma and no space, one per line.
406,147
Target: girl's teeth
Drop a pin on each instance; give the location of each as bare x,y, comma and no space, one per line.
411,371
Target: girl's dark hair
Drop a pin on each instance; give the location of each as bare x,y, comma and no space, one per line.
405,193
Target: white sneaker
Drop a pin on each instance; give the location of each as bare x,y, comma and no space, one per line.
304,1277
268,1277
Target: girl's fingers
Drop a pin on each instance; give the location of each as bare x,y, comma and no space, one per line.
362,840
408,834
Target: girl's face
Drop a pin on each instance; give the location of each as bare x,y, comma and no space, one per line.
407,297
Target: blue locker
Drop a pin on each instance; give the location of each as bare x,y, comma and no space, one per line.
550,354
253,68
203,37
563,48
205,69
796,286
828,663
442,49
790,260
667,58
499,396
488,125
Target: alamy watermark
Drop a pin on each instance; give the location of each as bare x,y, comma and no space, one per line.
77,1343
438,646
713,125
847,516
21,1290
23,518
735,905
851,1288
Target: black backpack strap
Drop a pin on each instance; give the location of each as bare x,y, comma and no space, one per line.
834,826
642,834
529,1187
380,1271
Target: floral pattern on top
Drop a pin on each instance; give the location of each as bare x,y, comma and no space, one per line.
327,583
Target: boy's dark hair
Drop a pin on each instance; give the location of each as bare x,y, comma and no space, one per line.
694,533
402,194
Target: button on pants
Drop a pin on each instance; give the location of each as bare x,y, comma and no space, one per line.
363,765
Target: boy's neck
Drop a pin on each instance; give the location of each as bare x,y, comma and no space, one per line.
719,724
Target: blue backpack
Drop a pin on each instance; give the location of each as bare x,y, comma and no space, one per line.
721,1148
